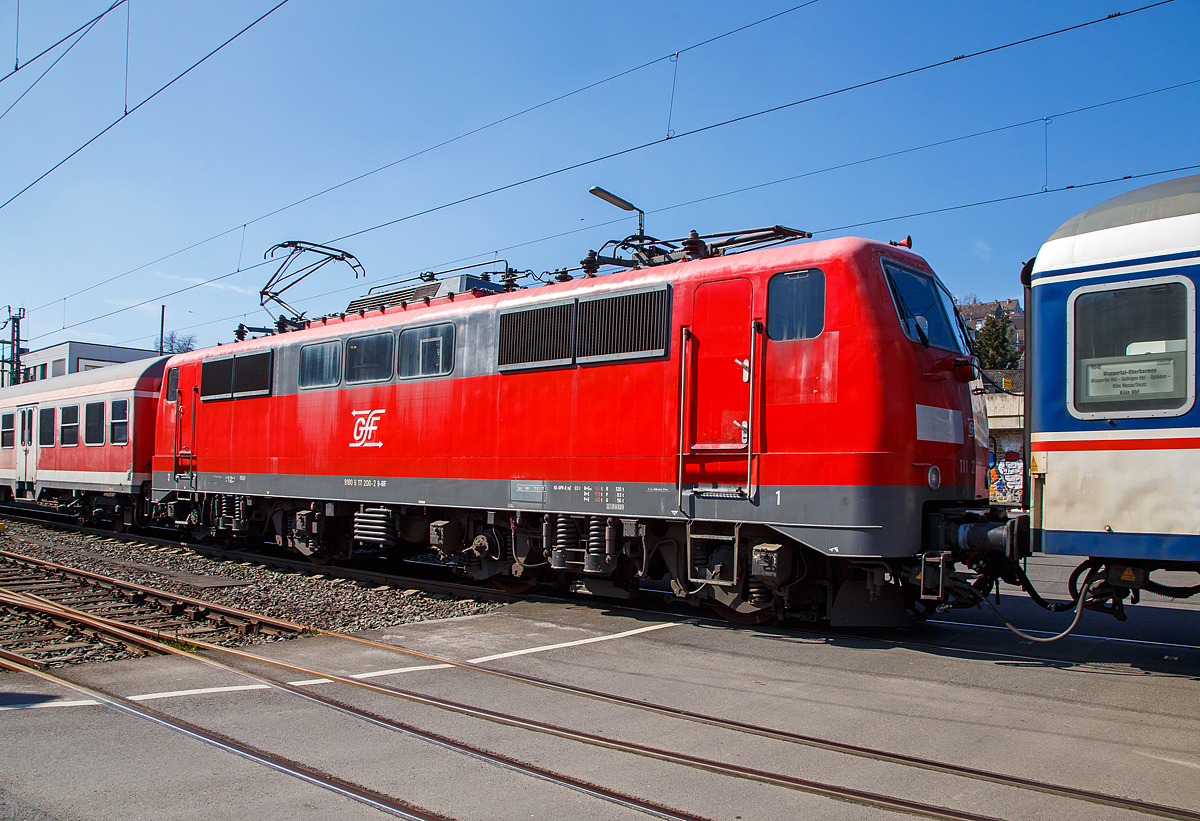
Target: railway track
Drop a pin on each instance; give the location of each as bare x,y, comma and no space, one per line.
350,573
147,637
42,600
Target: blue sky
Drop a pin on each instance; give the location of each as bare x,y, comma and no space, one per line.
319,93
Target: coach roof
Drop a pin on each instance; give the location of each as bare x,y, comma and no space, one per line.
124,375
1171,198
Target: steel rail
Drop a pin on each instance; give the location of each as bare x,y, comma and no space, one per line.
244,617
932,765
146,638
340,786
1089,796
826,790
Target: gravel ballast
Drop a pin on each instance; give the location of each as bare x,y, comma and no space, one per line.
312,600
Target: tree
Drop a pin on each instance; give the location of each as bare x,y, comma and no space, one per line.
994,344
176,342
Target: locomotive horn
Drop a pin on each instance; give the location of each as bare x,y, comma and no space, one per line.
904,243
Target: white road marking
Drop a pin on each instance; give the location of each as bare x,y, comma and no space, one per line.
1169,760
199,691
308,682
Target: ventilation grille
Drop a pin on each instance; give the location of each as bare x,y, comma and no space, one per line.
372,302
538,337
216,379
621,327
252,374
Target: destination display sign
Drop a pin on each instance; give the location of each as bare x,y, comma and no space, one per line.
1117,379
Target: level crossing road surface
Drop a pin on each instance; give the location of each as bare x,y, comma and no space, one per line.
1114,709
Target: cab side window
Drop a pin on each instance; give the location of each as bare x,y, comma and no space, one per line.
796,305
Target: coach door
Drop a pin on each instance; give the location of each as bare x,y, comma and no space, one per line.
27,444
717,421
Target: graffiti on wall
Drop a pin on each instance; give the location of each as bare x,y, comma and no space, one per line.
1007,474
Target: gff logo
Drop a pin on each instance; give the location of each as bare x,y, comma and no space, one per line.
366,422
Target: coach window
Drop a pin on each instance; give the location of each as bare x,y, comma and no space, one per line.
369,358
68,426
118,422
93,423
427,351
1133,349
172,392
321,364
46,428
796,305
925,309
6,430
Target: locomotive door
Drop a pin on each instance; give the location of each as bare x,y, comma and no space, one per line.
720,355
182,422
27,458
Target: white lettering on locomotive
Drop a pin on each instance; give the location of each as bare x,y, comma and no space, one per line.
366,422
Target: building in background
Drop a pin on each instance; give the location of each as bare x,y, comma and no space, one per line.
73,357
1006,432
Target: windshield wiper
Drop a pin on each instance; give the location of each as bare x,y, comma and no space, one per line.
906,310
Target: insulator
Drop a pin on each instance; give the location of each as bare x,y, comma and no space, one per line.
694,247
590,264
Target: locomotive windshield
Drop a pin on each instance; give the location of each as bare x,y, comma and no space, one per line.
926,311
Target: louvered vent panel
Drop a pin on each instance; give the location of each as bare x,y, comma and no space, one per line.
372,302
621,327
537,337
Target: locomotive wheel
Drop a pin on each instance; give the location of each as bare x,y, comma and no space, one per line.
117,525
510,585
741,619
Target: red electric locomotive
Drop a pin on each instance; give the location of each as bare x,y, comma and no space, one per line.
781,431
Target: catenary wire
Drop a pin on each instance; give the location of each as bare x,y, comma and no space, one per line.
441,144
172,82
66,51
698,130
976,204
752,115
49,49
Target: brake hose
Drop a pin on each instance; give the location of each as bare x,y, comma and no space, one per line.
1075,623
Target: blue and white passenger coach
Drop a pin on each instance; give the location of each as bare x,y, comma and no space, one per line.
1114,431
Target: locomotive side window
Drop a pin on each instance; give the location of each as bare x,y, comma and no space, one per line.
427,351
252,374
68,426
321,364
369,358
796,305
7,426
93,423
172,385
216,379
46,428
118,422
925,309
1132,349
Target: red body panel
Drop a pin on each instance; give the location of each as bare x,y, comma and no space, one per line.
838,409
